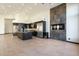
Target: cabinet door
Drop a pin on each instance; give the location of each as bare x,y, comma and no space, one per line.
40,34
52,16
58,14
54,35
61,13
62,36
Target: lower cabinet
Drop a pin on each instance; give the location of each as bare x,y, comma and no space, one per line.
58,36
40,34
34,33
62,36
25,36
54,35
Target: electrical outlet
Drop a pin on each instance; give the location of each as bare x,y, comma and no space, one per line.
68,38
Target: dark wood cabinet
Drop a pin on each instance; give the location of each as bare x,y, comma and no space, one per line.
58,16
25,36
40,34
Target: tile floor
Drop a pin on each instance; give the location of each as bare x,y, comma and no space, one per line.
13,46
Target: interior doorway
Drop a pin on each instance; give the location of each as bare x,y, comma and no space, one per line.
8,26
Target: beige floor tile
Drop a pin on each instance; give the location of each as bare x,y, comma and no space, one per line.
13,46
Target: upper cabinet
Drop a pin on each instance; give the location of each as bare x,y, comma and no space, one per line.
58,14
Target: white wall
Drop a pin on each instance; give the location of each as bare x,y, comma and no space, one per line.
72,22
8,25
21,18
1,25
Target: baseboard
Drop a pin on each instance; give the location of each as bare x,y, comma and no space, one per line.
72,42
8,33
66,41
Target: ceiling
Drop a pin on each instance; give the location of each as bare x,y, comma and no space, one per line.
25,8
